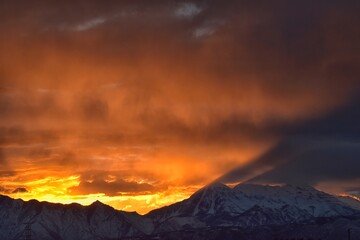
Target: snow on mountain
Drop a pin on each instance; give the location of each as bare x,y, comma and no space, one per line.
314,202
56,221
350,201
213,199
212,207
252,205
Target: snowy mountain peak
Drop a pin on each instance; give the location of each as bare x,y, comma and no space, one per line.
215,205
251,205
213,190
72,221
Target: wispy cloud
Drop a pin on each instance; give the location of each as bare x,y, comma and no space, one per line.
89,24
203,32
187,10
80,26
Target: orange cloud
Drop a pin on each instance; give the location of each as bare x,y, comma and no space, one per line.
164,96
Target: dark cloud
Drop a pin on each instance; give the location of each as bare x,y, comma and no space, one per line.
280,154
4,190
111,185
20,190
322,150
80,78
290,42
341,123
323,161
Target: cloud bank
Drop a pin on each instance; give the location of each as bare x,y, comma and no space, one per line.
174,94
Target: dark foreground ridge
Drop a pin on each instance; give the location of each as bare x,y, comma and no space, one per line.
214,212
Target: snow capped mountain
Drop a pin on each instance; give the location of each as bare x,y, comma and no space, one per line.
216,206
252,205
56,221
213,199
307,198
350,201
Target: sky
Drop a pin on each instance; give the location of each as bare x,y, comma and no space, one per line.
140,103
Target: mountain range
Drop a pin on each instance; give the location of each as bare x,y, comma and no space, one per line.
216,211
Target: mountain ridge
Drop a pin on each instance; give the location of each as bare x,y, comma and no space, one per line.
215,206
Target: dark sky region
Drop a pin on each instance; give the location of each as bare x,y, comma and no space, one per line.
140,103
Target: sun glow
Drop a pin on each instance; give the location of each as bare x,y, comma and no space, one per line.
56,190
139,104
128,178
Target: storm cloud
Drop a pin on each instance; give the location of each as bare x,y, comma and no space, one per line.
156,89
316,152
111,185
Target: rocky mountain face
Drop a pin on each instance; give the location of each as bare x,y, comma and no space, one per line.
216,210
57,221
249,205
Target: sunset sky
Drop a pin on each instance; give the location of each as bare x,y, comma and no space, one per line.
140,103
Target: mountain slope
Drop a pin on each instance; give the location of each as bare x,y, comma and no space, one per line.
245,209
56,221
249,205
350,201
